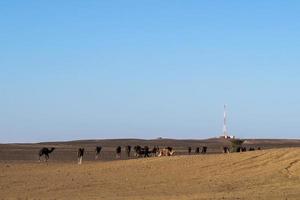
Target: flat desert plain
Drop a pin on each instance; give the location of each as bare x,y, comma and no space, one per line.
266,174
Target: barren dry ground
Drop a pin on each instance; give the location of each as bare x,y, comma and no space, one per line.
267,174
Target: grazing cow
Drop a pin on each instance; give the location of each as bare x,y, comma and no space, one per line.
226,150
98,151
251,149
118,152
80,154
239,149
45,152
197,151
244,149
128,150
190,150
204,150
166,152
258,148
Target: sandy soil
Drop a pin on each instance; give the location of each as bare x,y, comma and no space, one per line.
67,151
267,174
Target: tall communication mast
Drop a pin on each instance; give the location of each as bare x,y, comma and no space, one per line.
225,131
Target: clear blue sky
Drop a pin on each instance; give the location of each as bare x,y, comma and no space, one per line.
118,69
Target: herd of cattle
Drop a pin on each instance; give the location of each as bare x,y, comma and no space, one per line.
140,151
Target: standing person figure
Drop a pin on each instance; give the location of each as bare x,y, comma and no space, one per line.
204,150
98,152
190,150
128,150
118,152
155,151
80,154
146,149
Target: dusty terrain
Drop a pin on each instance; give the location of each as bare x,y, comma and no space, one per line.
67,151
265,174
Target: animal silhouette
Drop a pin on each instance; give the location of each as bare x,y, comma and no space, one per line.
45,152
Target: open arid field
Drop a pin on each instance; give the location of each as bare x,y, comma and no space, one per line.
67,151
265,174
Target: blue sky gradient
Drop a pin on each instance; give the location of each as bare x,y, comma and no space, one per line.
145,69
